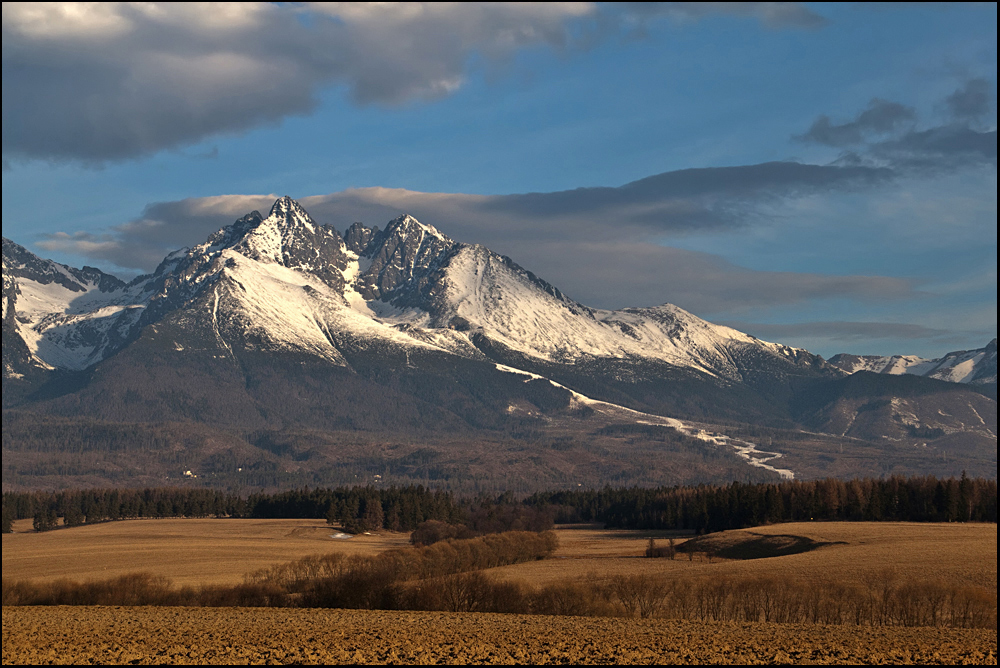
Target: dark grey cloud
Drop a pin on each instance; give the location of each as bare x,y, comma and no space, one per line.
116,81
881,117
614,274
597,264
886,134
938,148
120,81
113,81
971,102
673,202
598,244
692,198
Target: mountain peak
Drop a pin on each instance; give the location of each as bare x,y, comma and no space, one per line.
288,214
286,208
407,224
288,236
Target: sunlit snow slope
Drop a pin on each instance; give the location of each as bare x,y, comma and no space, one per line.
68,318
964,366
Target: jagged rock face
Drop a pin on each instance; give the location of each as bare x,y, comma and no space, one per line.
287,237
22,263
405,260
291,238
16,356
358,237
407,284
287,282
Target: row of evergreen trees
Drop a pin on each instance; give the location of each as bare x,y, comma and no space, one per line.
701,509
716,508
358,508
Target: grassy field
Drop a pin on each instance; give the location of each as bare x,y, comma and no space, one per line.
186,551
211,551
957,553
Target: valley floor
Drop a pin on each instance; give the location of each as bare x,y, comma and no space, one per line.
297,636
195,552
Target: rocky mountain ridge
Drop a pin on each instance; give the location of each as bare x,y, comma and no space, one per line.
408,278
278,333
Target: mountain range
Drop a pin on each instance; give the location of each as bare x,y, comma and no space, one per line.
282,351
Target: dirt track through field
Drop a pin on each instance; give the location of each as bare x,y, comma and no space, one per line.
284,636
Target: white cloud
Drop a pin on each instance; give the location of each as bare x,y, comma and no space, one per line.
96,82
117,81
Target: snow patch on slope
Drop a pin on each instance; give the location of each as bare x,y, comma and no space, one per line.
744,449
293,310
71,329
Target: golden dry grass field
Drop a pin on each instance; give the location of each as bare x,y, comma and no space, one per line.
964,554
222,551
186,551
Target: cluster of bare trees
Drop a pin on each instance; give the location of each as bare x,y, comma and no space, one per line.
420,577
882,598
381,581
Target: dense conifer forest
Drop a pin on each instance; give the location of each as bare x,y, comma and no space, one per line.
701,509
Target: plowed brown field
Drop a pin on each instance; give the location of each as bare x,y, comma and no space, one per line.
283,636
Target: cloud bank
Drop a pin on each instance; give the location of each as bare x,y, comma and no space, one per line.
99,82
596,243
607,246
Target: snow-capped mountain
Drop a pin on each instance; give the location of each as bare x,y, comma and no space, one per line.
278,333
285,282
977,367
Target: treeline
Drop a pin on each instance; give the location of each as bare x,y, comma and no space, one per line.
701,509
356,509
709,508
91,506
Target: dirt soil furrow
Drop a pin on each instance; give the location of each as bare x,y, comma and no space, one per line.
89,635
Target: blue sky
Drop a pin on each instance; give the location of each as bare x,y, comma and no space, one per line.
819,175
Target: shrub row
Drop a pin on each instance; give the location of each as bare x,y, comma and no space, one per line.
376,582
371,584
140,589
880,600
